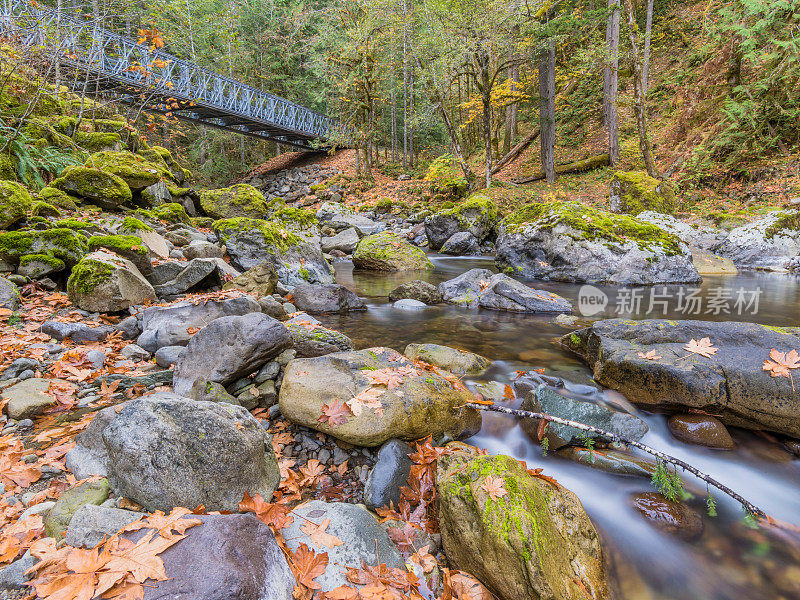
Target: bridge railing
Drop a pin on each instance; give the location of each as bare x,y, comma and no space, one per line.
138,66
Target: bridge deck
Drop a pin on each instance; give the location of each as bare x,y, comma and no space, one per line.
134,73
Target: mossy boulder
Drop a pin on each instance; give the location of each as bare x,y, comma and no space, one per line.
44,209
8,169
454,360
387,251
131,168
58,198
240,200
534,541
66,244
295,218
477,215
159,154
133,225
259,281
105,282
568,241
127,246
106,190
59,517
37,266
98,141
295,258
633,192
423,403
171,212
15,202
769,243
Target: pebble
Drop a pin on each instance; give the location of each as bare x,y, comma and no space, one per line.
26,374
97,358
2,488
289,307
339,455
324,455
29,458
25,423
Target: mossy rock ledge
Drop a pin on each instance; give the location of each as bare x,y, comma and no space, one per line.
387,251
568,241
105,282
536,541
134,170
240,200
633,192
15,201
59,242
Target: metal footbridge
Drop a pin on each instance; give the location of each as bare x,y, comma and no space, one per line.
104,62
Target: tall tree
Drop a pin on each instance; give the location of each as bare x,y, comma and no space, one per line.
611,81
547,109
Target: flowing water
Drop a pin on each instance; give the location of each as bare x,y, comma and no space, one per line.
730,560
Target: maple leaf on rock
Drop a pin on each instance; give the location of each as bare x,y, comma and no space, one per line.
274,514
782,364
368,398
494,487
166,525
307,565
335,413
649,355
318,536
703,347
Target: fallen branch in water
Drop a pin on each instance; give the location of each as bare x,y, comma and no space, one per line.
748,506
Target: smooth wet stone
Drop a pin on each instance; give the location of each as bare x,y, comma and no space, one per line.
419,290
675,518
703,430
611,461
454,360
329,298
77,332
389,474
409,304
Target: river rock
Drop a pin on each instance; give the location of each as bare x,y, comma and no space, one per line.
201,249
361,223
258,281
89,492
633,192
105,282
459,362
210,391
419,403
91,523
768,243
77,332
582,403
611,461
9,295
389,474
310,338
694,235
166,356
732,384
536,541
482,288
363,539
89,455
568,241
345,241
170,325
166,451
195,273
462,243
29,398
296,258
416,290
329,298
409,304
389,252
229,348
703,430
675,518
475,216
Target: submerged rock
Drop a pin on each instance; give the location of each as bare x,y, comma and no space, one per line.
732,384
675,518
611,461
482,288
459,362
416,404
416,290
534,541
567,241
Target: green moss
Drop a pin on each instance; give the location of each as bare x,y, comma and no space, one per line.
132,225
299,217
54,264
171,212
639,192
273,234
61,243
202,222
387,251
787,221
43,209
15,201
131,168
97,141
240,200
318,187
58,198
14,244
592,224
105,189
8,169
87,275
480,203
122,244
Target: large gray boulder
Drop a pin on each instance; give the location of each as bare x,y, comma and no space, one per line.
582,403
344,241
414,404
767,244
695,236
296,257
229,348
227,557
482,288
476,216
171,325
105,282
330,298
567,241
363,539
166,451
731,384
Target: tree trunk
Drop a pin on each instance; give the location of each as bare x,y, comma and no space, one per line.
511,113
647,36
610,81
638,96
405,86
547,109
